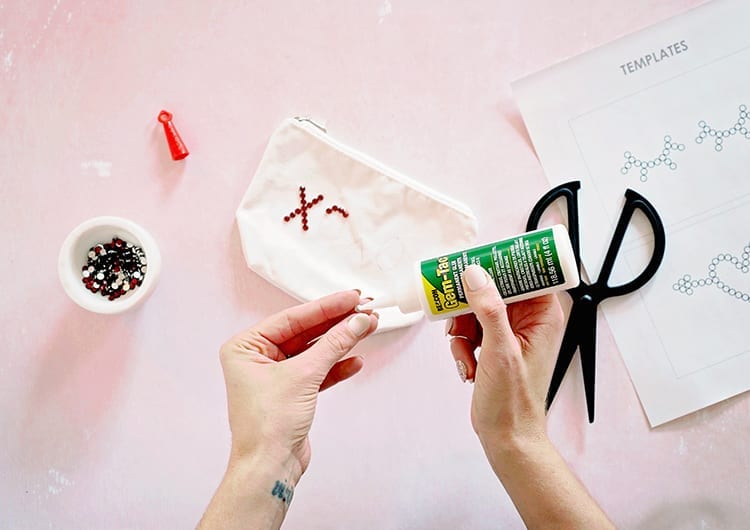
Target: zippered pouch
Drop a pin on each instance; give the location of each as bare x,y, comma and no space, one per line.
320,217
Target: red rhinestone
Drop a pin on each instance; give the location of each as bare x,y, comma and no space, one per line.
297,210
346,214
328,210
286,218
305,228
320,198
292,215
302,188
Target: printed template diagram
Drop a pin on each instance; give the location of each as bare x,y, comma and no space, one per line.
645,165
719,135
687,285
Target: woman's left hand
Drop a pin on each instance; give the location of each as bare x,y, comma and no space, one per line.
273,374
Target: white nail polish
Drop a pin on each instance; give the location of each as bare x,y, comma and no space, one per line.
461,367
359,324
475,277
448,325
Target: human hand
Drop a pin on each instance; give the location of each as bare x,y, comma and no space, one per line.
273,374
518,347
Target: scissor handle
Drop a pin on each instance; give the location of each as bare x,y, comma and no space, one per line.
569,190
633,201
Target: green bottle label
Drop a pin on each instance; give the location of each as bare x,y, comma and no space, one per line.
519,265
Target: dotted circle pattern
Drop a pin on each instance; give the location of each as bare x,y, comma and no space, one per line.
644,165
687,285
719,135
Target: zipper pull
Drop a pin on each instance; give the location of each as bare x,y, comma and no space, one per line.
304,118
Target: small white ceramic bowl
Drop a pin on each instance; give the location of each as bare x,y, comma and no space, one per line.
74,254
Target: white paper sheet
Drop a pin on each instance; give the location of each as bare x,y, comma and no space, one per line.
678,95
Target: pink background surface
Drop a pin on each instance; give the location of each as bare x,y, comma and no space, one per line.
120,421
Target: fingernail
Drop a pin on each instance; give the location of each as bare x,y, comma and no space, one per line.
375,314
358,291
365,300
461,367
475,277
359,324
449,325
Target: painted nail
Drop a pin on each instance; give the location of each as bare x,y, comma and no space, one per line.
461,367
448,325
364,300
359,324
475,277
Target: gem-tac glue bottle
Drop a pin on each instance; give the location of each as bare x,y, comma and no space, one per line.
524,266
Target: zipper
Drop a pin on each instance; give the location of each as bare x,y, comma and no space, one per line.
321,133
303,119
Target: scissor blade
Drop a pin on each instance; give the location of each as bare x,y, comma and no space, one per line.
567,350
588,356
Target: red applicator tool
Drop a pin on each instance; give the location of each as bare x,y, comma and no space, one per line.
176,146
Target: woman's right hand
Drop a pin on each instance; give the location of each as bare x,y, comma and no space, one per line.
518,348
519,343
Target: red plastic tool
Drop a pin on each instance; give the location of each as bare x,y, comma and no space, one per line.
176,146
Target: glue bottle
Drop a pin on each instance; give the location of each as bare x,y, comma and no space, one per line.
522,267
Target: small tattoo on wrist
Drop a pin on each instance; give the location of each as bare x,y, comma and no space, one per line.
283,491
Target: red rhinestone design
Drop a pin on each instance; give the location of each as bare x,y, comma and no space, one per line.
337,209
304,206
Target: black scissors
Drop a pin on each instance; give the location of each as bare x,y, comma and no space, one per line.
581,328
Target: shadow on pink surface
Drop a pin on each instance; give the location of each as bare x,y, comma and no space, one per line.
80,370
695,513
249,289
515,120
170,172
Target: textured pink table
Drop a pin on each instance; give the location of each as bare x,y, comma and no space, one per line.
120,422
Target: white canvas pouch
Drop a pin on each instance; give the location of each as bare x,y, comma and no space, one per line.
382,224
